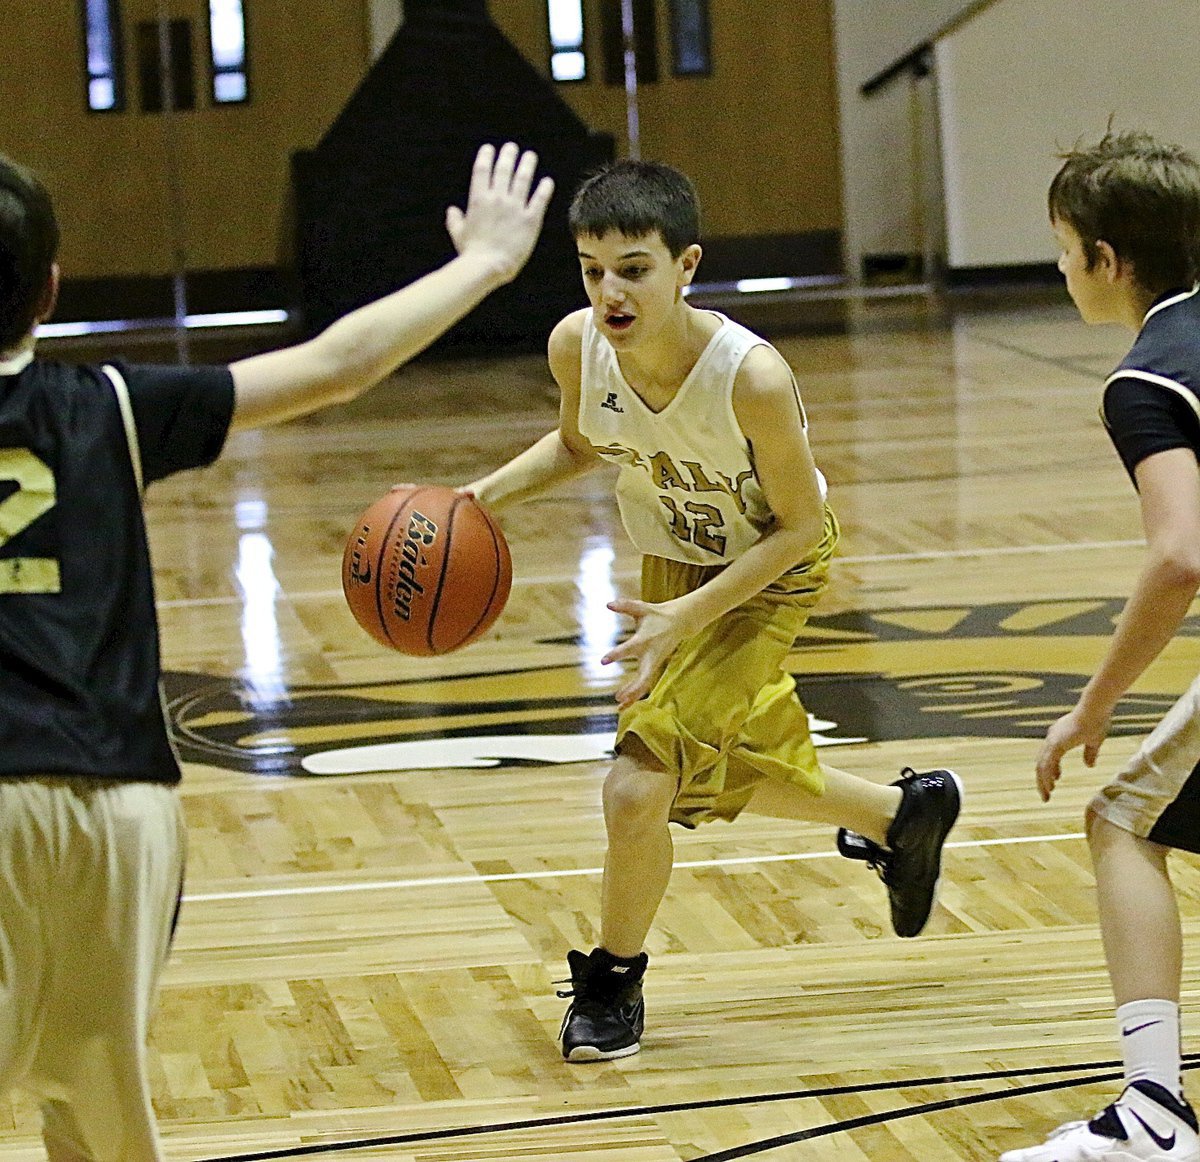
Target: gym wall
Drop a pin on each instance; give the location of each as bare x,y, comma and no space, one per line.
1006,110
759,136
108,171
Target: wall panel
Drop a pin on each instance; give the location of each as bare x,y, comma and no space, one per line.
107,172
759,137
1005,114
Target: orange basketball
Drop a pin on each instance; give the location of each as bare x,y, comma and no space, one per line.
426,570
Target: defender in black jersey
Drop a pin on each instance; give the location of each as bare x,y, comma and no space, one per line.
1127,215
91,836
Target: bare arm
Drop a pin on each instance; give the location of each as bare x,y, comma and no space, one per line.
1169,488
494,238
557,456
770,417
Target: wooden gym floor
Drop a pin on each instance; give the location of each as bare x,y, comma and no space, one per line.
390,857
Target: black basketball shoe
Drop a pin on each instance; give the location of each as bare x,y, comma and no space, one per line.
607,1013
912,861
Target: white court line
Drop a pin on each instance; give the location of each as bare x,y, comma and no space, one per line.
927,555
502,877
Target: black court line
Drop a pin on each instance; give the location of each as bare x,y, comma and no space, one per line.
1097,1071
849,1124
1071,363
893,1115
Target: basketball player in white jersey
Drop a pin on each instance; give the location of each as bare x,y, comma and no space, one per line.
718,489
91,832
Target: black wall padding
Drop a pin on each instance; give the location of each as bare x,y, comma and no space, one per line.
371,197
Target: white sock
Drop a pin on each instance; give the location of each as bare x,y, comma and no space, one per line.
1149,1034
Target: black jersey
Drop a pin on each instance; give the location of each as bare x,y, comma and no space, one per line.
79,660
1152,400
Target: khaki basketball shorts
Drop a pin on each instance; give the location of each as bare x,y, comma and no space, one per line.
90,880
725,715
1157,794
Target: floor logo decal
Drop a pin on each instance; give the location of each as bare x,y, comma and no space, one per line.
1002,670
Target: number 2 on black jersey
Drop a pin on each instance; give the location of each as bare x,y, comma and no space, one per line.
34,496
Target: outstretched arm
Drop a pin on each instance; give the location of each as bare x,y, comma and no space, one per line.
494,238
1169,487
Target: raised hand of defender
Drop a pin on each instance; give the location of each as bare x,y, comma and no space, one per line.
503,218
1078,728
660,629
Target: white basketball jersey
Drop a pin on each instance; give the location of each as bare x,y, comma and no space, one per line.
686,488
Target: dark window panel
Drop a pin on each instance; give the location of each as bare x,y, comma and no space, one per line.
645,41
183,87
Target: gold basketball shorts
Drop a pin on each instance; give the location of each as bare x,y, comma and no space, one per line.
725,715
1157,794
90,879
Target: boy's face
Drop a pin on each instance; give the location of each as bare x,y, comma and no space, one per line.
633,284
1094,292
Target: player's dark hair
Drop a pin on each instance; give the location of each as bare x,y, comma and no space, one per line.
636,198
28,246
1139,195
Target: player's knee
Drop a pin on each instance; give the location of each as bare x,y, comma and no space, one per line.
1100,833
1107,838
635,797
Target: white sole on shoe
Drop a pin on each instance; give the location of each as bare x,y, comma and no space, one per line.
585,1053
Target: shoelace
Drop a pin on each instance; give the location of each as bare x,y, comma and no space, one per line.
583,1004
564,994
879,860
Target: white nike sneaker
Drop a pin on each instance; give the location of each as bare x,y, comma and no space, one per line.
1146,1123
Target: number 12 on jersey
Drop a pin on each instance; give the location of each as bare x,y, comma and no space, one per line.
696,524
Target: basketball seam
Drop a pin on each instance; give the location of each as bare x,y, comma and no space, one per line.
379,572
495,582
437,593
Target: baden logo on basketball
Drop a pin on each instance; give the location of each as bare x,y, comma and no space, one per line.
421,534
